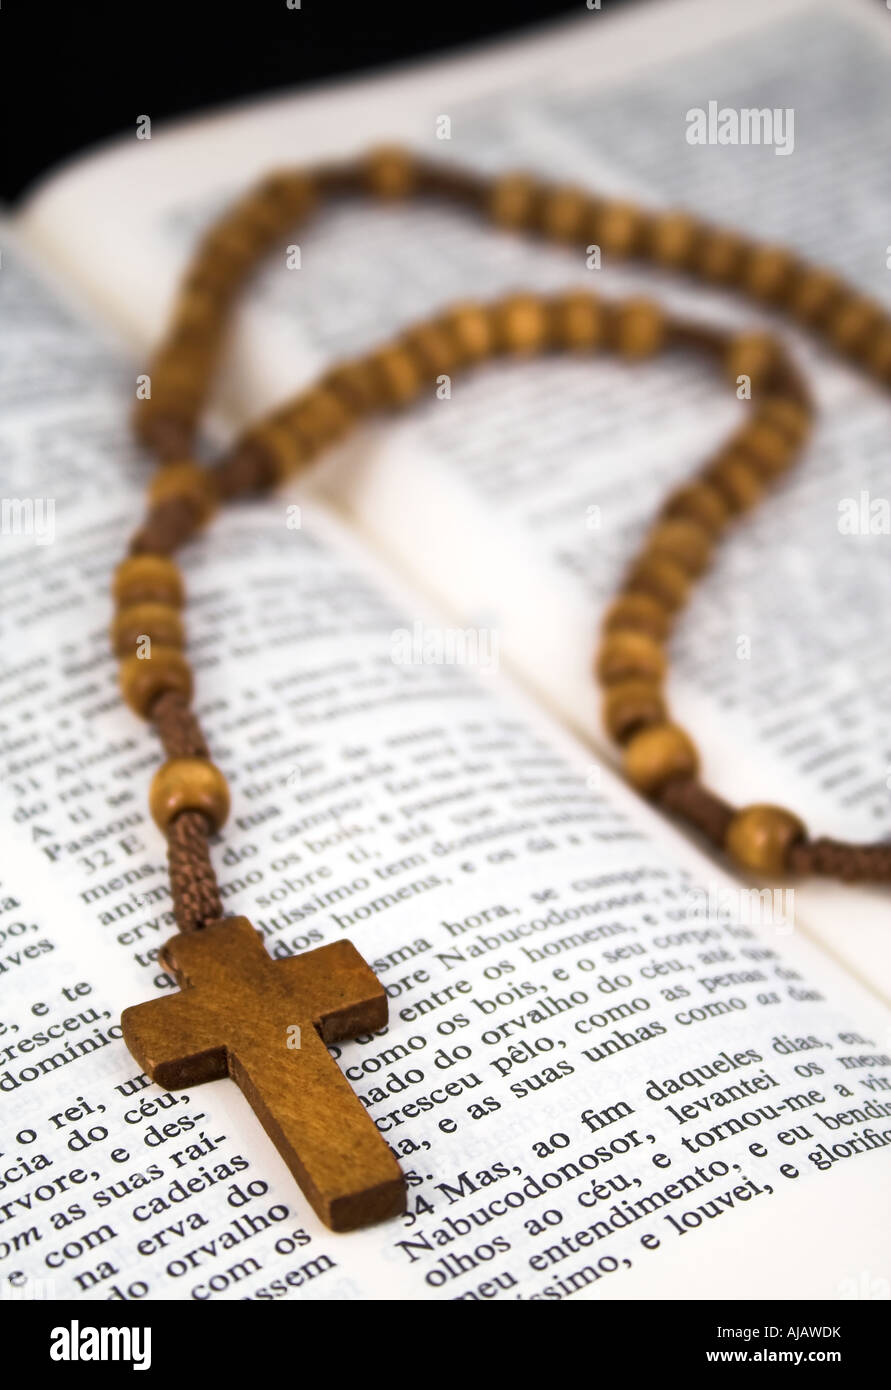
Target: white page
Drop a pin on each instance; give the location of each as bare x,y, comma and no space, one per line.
535,446
542,937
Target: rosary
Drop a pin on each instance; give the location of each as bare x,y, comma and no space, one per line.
236,1005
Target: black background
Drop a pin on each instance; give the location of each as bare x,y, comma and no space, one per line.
79,72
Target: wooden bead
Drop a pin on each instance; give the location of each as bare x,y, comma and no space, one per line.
355,384
878,354
196,309
639,328
521,324
617,228
290,191
189,784
148,579
629,655
639,612
850,325
285,451
167,433
578,320
738,482
685,542
513,200
768,272
398,375
630,706
813,294
658,754
673,239
564,212
157,621
185,482
754,355
471,327
720,256
759,838
434,347
700,502
768,448
320,416
389,172
660,577
791,417
143,679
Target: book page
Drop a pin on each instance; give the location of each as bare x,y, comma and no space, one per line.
601,1080
536,451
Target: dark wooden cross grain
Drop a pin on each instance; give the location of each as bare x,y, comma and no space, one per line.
235,1016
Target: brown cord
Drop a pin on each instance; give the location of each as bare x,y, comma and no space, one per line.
178,728
686,797
193,884
835,859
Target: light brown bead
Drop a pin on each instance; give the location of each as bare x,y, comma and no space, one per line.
148,579
768,272
290,191
176,385
389,172
564,212
629,655
320,416
767,447
630,706
434,347
235,239
759,838
720,256
851,323
617,228
738,482
197,310
640,612
354,383
754,355
673,239
286,451
185,482
814,293
473,331
660,577
685,542
878,354
522,324
792,418
189,784
143,679
513,200
157,621
578,320
658,754
700,502
639,328
397,372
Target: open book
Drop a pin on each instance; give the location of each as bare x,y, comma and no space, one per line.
611,1070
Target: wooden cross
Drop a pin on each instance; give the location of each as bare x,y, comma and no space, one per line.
235,1017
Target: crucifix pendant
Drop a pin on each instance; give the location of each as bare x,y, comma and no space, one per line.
239,1013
